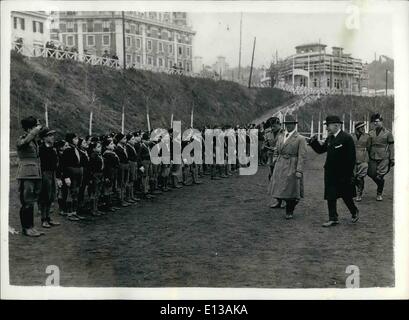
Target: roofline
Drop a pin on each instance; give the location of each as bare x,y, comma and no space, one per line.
33,13
311,45
132,18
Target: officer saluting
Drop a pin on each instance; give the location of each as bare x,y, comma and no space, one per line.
29,174
339,169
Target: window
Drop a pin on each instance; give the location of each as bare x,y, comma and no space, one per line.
328,82
180,50
34,26
15,22
105,25
149,45
180,64
128,58
70,41
105,40
188,67
160,62
90,26
138,59
170,63
160,47
128,41
22,25
150,60
70,24
315,82
188,52
170,48
41,25
90,40
138,43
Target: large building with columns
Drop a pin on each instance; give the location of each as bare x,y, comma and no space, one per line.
159,39
313,67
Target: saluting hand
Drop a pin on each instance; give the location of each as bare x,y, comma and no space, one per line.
298,175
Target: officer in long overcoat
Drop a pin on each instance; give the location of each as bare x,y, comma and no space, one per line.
339,169
286,182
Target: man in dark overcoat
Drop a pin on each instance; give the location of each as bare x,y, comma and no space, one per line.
339,169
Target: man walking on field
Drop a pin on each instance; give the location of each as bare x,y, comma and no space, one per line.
287,180
339,169
381,153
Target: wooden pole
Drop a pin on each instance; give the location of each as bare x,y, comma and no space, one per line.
123,119
148,121
312,126
90,123
191,118
241,25
252,60
46,114
171,121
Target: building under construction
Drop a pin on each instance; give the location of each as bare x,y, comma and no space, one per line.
312,67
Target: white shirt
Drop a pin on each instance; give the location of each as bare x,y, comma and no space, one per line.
336,133
288,135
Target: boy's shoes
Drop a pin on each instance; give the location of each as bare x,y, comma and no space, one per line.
45,224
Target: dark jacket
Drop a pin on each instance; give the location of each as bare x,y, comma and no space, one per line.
48,158
96,163
122,154
339,165
69,159
144,152
132,156
111,163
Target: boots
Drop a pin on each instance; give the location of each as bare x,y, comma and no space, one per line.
27,222
360,188
175,183
61,207
380,183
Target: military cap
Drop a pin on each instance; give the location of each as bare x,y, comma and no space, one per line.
45,131
359,124
375,117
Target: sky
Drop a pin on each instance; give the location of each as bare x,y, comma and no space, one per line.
219,34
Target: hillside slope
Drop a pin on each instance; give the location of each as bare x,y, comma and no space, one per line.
69,86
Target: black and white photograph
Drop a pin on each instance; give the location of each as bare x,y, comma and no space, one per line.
204,148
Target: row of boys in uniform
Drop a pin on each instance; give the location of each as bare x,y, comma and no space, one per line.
110,169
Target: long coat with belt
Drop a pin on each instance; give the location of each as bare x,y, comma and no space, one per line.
290,157
339,165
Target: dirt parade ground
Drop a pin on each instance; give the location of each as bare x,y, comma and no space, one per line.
218,234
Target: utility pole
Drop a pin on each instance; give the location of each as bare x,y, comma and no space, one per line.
123,38
252,60
241,25
375,80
